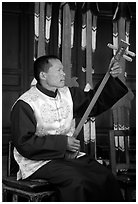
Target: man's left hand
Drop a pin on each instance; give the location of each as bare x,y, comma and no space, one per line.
115,69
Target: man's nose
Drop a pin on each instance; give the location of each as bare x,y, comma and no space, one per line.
63,73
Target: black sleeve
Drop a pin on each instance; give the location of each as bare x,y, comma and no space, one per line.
112,92
29,145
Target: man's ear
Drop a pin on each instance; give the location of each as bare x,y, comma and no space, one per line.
42,75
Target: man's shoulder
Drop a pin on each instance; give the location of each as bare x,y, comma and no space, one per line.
30,94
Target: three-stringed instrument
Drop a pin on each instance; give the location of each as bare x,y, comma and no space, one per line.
120,52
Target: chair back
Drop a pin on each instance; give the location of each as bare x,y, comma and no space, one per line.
120,150
12,167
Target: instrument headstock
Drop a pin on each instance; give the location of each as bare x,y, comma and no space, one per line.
122,51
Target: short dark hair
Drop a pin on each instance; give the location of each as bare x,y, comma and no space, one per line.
42,64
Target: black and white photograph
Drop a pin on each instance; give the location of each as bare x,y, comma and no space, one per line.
68,101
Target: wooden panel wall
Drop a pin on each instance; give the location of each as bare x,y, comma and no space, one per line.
17,57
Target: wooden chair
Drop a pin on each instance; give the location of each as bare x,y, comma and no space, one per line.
32,190
121,163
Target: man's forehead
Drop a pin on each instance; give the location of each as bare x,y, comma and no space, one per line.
55,61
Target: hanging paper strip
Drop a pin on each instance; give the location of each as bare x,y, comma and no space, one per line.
37,30
89,49
90,136
120,127
72,27
48,18
41,38
66,44
36,19
36,25
89,130
115,36
83,40
48,22
86,132
93,129
59,29
127,31
94,31
115,119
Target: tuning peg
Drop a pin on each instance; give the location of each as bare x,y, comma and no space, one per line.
132,54
127,52
127,58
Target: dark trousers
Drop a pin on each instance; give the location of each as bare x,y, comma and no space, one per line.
81,180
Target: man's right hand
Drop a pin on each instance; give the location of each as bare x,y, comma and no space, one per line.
73,144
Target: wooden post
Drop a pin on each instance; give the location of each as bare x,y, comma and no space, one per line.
89,49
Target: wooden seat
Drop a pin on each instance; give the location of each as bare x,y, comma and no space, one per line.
123,167
32,190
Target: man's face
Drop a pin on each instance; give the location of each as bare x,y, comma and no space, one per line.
55,77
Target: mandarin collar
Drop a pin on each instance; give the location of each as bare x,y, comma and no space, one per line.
46,91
